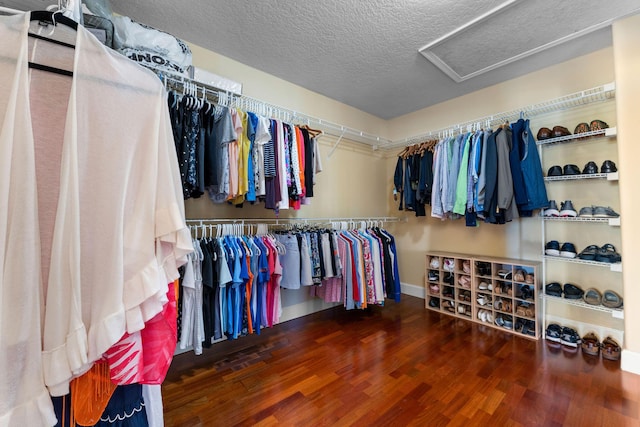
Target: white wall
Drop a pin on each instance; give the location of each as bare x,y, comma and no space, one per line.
626,39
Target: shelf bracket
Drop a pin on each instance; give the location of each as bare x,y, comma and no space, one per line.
336,144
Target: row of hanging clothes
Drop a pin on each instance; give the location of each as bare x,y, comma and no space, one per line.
231,286
366,271
235,155
490,175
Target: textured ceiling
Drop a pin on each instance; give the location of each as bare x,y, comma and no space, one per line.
365,53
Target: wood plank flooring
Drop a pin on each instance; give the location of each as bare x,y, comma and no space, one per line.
398,365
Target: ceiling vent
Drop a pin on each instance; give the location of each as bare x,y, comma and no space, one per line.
516,29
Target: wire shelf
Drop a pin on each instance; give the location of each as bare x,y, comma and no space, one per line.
580,137
585,97
612,266
610,221
612,176
615,312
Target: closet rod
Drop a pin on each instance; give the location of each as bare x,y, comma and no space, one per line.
211,93
10,11
280,221
584,97
268,109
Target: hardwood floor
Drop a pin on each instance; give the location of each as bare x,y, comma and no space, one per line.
395,366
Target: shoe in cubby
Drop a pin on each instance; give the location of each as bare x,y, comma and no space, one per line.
505,272
524,292
463,310
523,275
434,263
449,278
433,276
524,309
465,266
503,288
448,264
502,304
484,285
449,306
483,269
504,321
464,295
484,300
529,328
484,315
434,289
464,281
434,302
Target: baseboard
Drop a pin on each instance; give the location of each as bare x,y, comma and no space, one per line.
630,361
413,290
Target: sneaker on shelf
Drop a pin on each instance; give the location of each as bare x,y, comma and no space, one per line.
552,248
586,212
554,289
435,263
589,253
572,291
590,168
552,210
568,250
604,212
570,169
554,170
570,337
608,166
433,276
553,332
567,210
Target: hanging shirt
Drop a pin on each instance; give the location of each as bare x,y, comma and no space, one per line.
75,193
244,152
281,162
224,134
262,138
252,125
234,155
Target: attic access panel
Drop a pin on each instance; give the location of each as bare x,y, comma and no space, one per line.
516,29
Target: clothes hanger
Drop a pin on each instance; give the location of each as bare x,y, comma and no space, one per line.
52,18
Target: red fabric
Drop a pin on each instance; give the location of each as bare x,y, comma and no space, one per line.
144,356
159,339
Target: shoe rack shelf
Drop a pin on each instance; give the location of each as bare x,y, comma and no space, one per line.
611,176
613,222
618,313
601,133
498,292
612,266
566,148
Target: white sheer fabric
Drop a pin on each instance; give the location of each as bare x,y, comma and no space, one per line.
114,208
